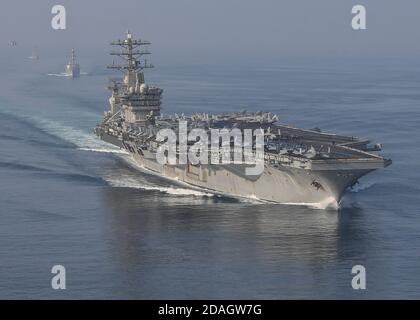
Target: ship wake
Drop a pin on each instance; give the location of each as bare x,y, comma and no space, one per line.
63,74
104,150
82,140
126,181
361,186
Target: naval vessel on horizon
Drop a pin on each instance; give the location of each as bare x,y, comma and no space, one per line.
72,67
300,166
34,55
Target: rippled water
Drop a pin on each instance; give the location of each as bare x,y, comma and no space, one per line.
67,198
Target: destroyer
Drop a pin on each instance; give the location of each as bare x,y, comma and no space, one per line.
72,68
300,166
34,55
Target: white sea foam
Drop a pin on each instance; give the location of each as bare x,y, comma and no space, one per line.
116,151
122,181
361,186
58,74
253,199
62,74
327,203
82,139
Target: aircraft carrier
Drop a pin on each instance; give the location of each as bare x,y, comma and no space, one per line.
300,166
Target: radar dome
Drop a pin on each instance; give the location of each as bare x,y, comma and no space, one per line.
144,88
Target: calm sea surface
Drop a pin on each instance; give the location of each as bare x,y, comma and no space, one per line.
67,198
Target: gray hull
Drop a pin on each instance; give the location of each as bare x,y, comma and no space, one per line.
275,184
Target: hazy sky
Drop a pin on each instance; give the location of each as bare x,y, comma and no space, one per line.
248,30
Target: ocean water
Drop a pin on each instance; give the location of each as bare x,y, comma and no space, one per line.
67,198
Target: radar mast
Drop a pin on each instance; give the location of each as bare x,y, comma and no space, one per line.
137,101
132,53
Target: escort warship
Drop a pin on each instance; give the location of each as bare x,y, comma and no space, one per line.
34,55
300,166
72,67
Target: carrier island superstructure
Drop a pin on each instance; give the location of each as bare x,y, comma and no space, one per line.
300,166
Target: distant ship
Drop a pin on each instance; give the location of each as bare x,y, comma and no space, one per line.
34,55
13,43
72,68
300,166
